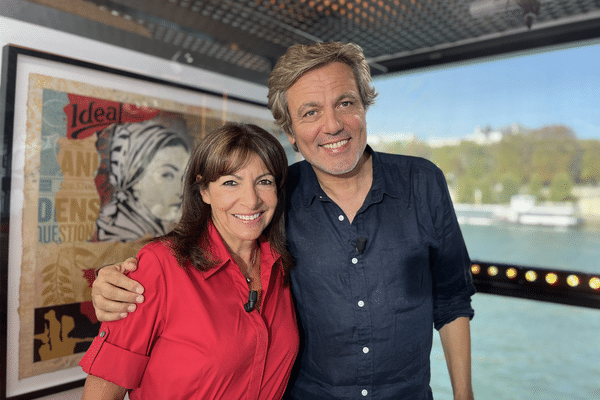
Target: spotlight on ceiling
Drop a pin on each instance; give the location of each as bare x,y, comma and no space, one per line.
489,8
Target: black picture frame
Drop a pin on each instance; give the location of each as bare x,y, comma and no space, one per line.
17,63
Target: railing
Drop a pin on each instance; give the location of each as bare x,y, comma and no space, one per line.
556,286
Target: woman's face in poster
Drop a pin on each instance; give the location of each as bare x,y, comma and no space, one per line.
160,188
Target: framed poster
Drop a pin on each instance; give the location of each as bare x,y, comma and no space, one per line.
81,146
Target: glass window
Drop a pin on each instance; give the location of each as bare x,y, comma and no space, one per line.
518,139
525,349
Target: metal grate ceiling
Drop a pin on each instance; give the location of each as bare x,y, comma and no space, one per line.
245,38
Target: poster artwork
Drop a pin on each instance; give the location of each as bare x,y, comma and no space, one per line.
103,171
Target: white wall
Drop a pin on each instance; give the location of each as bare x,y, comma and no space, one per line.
51,41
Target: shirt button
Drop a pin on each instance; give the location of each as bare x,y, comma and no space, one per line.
365,350
341,217
354,260
103,333
361,303
364,392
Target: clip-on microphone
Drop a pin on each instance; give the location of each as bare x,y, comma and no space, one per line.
360,245
252,299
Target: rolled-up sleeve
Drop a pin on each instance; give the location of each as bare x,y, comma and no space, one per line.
113,363
451,266
120,352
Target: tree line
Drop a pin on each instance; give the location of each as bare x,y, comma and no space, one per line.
546,162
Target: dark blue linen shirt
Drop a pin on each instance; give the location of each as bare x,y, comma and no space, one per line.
368,318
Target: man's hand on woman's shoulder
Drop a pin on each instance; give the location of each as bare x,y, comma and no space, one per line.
114,295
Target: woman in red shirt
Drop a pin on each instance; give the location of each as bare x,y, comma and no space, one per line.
218,321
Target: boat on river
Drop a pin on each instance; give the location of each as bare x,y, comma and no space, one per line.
522,210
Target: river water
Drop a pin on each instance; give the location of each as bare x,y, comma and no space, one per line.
525,349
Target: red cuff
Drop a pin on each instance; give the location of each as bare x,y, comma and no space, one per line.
112,363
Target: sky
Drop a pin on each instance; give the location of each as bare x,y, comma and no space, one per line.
533,90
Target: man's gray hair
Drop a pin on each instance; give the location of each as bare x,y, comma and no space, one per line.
299,59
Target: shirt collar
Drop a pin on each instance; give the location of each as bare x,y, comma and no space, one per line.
311,189
309,184
381,184
268,255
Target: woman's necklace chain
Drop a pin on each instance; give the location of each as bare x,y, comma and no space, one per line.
253,263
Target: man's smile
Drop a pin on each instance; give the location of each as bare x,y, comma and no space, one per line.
335,145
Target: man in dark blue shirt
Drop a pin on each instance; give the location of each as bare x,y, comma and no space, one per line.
380,258
369,291
379,254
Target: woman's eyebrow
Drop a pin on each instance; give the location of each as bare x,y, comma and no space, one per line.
258,177
173,166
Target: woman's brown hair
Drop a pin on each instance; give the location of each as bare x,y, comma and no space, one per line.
222,152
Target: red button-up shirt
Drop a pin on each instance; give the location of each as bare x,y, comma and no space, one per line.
192,338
